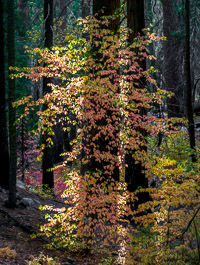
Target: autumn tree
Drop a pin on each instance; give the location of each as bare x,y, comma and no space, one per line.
4,154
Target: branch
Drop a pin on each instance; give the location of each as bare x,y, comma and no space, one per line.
190,222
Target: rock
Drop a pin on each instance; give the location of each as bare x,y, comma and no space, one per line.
26,202
37,202
20,184
18,197
70,260
3,190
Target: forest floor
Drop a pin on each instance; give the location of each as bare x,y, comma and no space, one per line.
16,226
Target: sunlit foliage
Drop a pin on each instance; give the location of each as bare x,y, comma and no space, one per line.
102,84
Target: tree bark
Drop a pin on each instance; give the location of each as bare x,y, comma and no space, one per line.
85,8
63,7
12,98
4,153
24,11
47,160
171,58
135,17
134,174
189,98
108,10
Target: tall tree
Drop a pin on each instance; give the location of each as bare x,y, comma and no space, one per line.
4,154
63,8
107,8
189,98
22,6
134,175
171,49
47,160
104,8
85,8
12,98
135,17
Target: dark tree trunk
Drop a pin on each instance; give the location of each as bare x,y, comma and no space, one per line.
47,161
22,149
134,175
58,143
85,8
171,58
63,7
48,19
189,105
12,98
135,17
22,6
4,154
109,8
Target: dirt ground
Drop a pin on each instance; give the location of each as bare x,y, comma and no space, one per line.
16,226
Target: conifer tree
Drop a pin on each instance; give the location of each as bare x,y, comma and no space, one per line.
4,154
47,160
134,175
11,98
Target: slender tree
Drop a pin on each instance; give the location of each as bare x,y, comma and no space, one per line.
12,98
4,154
47,161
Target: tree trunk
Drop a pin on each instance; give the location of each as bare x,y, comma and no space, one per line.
63,8
135,17
109,8
47,161
48,20
134,174
85,8
24,11
171,58
4,154
189,105
12,98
